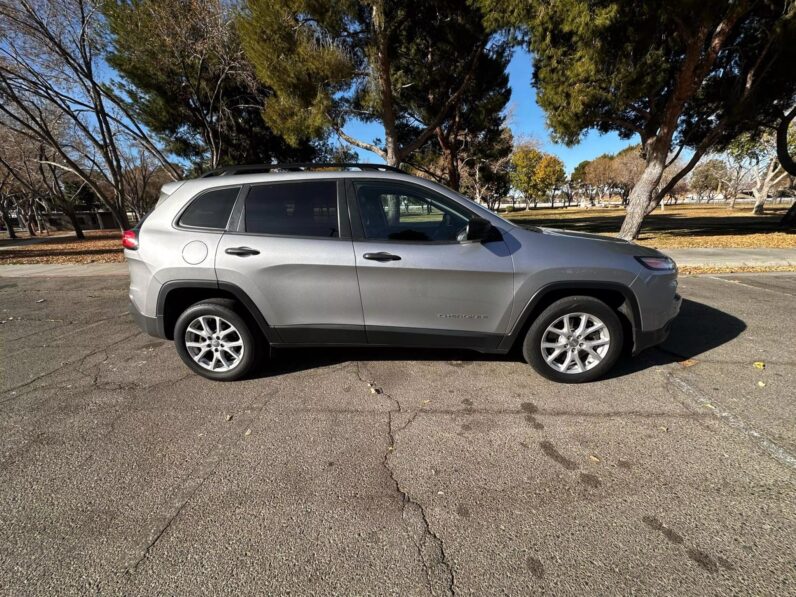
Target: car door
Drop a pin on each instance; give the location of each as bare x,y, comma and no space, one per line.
291,252
419,284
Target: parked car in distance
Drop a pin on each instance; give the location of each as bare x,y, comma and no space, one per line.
254,258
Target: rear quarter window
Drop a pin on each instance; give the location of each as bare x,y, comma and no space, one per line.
211,209
293,209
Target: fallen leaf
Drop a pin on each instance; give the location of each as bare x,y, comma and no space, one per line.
426,402
664,429
593,458
708,405
248,432
688,363
759,365
762,384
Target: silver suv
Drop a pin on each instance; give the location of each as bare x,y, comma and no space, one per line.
253,258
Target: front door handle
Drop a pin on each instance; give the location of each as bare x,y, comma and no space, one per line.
382,256
242,251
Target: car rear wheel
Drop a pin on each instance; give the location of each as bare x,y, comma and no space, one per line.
215,341
576,339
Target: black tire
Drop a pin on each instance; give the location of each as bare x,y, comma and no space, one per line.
224,309
532,345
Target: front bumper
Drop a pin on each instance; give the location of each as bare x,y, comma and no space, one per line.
646,339
150,325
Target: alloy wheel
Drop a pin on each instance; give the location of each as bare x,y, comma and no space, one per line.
575,343
214,343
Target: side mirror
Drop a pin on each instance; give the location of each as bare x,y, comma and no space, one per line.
478,229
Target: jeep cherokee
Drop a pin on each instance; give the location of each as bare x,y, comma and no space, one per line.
258,257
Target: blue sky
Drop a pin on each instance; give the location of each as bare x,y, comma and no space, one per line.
527,120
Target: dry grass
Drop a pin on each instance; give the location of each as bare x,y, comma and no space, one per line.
695,270
676,227
97,247
769,240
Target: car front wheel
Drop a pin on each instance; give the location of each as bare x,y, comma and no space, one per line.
576,339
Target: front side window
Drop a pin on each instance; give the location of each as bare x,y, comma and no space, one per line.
293,209
392,212
210,209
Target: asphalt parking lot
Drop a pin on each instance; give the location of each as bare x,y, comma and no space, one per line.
122,473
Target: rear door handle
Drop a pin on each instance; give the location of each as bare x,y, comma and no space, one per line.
382,256
242,251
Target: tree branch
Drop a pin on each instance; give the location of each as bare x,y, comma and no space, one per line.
357,143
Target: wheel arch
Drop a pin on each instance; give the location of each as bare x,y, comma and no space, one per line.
616,295
176,296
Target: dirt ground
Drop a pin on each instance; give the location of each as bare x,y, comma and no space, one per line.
674,227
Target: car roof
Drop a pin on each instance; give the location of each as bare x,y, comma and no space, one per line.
299,167
201,184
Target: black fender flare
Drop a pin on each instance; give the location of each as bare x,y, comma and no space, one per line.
629,308
240,295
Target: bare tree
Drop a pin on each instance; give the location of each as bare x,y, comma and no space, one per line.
51,63
756,158
7,200
143,178
38,183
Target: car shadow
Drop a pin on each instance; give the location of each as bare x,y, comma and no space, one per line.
698,329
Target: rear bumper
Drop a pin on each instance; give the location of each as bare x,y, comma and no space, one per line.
645,339
150,325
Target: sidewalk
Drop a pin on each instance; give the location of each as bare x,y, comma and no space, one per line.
732,257
683,257
68,270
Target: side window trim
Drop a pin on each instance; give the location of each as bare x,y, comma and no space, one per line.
343,222
176,221
358,228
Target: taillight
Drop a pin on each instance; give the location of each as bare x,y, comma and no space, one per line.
130,240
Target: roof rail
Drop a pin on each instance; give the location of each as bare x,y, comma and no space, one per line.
259,168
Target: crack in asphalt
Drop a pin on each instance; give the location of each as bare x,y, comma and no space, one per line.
196,479
13,390
430,548
66,323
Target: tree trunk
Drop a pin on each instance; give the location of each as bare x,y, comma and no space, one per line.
27,222
784,157
760,200
393,210
642,196
12,234
119,214
75,224
453,169
789,219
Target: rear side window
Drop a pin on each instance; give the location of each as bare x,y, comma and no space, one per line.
293,209
210,209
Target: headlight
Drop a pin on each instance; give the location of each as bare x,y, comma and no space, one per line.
661,264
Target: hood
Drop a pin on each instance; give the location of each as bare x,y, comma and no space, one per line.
582,241
584,235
